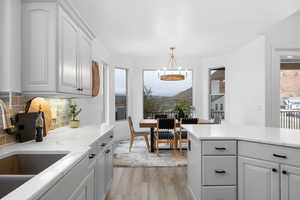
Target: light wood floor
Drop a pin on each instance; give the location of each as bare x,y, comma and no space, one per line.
162,183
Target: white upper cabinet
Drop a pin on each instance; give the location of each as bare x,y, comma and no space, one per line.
85,51
39,51
67,51
56,50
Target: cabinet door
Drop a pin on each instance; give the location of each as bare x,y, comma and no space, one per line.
257,180
39,47
68,71
108,169
85,59
85,190
290,183
100,174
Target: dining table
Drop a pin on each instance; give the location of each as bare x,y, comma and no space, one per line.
152,124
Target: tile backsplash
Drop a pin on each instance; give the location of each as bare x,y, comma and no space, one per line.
16,103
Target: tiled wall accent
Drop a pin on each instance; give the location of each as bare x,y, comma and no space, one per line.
60,112
17,102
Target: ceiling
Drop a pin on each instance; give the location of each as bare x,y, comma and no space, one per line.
195,27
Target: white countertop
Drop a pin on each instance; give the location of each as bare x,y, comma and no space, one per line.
277,136
75,142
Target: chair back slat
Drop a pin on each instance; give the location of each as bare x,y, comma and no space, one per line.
189,121
131,125
160,116
167,124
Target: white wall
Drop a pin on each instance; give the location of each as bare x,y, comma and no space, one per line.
10,45
245,83
281,38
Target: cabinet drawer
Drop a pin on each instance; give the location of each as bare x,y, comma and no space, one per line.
280,154
219,193
219,147
219,170
106,139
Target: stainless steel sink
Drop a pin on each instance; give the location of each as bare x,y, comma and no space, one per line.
16,169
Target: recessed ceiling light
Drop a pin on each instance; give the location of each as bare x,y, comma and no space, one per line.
290,56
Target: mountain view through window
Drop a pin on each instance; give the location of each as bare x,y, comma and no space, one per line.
162,96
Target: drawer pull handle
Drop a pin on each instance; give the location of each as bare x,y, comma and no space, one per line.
274,170
103,144
107,151
279,156
220,148
220,171
91,156
284,172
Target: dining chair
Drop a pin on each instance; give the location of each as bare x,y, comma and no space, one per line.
182,134
134,134
160,116
166,133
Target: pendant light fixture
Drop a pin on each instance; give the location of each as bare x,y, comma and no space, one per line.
172,72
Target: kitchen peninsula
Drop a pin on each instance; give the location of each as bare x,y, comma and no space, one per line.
231,162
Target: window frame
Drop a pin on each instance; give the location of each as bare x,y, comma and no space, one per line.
126,77
153,69
220,94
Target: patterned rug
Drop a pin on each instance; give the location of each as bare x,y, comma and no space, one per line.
140,157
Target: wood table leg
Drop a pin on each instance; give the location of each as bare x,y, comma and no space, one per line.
152,139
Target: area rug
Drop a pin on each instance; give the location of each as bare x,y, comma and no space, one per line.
140,157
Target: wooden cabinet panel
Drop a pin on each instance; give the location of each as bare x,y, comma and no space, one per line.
257,179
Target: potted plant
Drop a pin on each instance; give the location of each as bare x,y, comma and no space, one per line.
74,112
183,109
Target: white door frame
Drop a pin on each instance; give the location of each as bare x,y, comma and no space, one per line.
273,83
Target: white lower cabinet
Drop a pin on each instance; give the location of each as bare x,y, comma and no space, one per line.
257,179
90,179
85,190
219,193
100,181
270,174
290,183
194,167
255,171
109,168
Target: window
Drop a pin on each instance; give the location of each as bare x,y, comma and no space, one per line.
217,93
121,94
160,97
